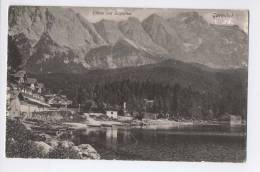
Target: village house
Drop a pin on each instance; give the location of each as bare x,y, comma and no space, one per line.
232,120
32,91
111,114
25,100
20,76
20,104
58,100
32,104
235,120
23,96
40,88
31,83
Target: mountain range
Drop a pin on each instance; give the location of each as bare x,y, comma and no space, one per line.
56,39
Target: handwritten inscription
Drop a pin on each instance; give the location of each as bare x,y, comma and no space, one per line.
221,18
116,13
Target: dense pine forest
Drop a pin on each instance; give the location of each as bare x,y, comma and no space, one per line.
105,89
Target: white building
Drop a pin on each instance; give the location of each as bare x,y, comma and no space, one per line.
235,120
111,114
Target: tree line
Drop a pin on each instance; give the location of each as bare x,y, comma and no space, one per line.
173,99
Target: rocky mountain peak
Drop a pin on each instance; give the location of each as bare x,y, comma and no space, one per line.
133,30
109,30
162,33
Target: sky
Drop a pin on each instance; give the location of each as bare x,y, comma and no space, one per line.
214,16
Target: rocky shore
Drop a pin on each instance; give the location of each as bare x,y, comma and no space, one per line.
83,151
62,140
28,140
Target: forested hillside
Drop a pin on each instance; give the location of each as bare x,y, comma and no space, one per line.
184,90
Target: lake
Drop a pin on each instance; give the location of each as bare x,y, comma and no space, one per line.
190,143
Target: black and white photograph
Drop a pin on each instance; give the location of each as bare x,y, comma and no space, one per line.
117,83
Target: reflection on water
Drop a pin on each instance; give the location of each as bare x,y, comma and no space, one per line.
111,137
196,143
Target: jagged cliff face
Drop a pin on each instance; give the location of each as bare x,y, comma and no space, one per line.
162,34
67,28
56,39
52,32
213,45
133,30
189,38
109,31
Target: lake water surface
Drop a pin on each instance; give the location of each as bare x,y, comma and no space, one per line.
190,143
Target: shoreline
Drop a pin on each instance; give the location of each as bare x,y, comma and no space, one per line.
172,130
160,123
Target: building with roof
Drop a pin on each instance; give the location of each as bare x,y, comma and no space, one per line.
25,97
58,100
40,88
232,120
20,76
111,114
235,120
31,82
32,103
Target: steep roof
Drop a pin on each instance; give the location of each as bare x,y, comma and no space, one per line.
20,74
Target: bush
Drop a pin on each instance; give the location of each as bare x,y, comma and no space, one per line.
19,144
61,152
19,141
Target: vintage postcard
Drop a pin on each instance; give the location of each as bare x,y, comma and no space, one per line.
127,83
